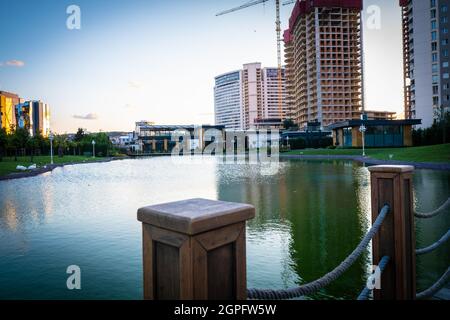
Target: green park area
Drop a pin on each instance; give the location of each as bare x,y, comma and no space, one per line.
436,153
8,164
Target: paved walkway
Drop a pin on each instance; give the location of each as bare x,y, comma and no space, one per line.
370,161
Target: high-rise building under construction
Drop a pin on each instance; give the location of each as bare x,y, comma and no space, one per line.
323,50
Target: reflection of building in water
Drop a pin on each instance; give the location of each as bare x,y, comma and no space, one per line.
319,200
10,215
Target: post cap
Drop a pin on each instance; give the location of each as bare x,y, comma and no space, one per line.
195,216
391,169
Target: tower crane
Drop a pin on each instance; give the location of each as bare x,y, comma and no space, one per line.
278,31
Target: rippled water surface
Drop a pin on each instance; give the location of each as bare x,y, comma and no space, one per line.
310,216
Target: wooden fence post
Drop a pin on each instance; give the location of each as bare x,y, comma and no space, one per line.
195,249
393,185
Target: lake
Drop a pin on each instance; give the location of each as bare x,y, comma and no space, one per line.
309,217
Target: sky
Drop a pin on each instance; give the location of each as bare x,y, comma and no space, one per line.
156,60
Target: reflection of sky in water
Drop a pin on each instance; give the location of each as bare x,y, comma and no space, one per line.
310,216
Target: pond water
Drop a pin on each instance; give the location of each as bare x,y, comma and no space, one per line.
310,216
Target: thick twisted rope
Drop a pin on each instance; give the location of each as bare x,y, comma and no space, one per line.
435,245
312,287
364,295
435,212
435,287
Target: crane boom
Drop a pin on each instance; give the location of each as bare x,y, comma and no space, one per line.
278,31
246,5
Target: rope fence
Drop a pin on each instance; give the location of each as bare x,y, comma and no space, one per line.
434,213
314,286
428,293
365,294
435,245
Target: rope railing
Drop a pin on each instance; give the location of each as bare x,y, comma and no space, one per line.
435,245
365,293
435,287
314,286
433,213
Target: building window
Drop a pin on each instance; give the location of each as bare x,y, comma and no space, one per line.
432,3
435,79
433,25
434,57
434,68
444,19
433,14
444,42
435,90
445,64
435,101
444,30
434,36
444,8
434,46
445,76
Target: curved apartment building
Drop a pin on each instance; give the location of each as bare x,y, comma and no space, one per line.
250,98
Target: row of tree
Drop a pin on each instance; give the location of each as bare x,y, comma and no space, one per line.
438,133
21,143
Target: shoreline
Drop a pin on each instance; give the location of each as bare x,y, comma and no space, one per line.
50,168
370,161
360,159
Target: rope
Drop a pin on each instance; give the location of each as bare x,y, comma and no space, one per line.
309,288
435,287
364,295
435,245
435,212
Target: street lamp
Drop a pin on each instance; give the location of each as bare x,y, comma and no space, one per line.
51,137
93,148
363,129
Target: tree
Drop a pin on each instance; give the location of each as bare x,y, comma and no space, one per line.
3,142
32,145
289,124
19,140
61,144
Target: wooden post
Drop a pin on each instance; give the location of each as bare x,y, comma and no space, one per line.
195,249
393,185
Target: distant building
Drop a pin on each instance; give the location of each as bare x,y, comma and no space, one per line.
380,115
8,101
246,97
33,116
158,138
379,133
323,50
16,112
228,107
426,52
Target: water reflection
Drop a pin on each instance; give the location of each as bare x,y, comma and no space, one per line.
310,216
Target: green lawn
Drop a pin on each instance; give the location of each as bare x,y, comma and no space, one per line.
8,165
437,153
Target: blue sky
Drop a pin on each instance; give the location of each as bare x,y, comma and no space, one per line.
156,60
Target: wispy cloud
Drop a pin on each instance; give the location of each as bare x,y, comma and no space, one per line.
89,116
14,63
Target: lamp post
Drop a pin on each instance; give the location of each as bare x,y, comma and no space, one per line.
51,137
93,148
287,142
363,129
